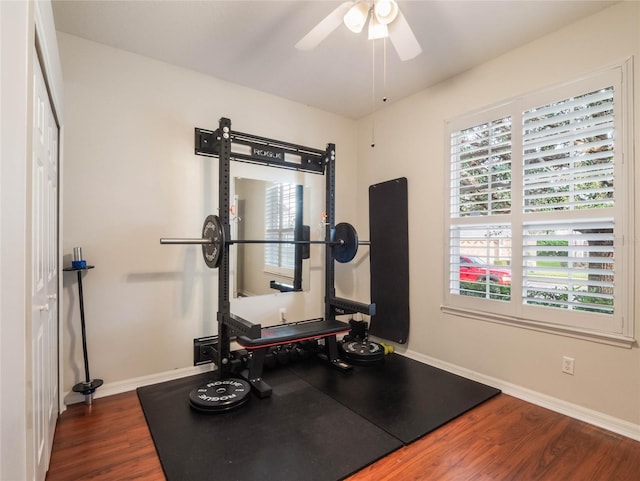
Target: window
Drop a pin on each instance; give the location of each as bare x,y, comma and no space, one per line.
280,217
539,209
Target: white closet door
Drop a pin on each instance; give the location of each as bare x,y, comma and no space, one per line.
44,319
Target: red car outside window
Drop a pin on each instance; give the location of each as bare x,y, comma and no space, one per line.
474,269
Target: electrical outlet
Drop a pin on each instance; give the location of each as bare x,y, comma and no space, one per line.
568,365
204,350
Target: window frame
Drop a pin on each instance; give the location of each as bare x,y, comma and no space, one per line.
617,329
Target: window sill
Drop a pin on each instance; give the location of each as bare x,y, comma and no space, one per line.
611,339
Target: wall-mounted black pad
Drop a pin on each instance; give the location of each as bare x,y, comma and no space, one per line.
389,257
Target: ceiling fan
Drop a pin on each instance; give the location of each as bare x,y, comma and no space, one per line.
385,20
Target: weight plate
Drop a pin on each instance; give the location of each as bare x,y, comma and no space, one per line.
212,230
346,237
363,352
220,396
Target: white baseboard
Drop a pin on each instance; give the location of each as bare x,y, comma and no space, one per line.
118,387
610,423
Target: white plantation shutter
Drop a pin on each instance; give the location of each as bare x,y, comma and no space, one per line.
538,187
569,266
481,169
568,153
568,166
483,250
480,199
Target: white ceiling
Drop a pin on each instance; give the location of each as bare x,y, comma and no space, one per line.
251,43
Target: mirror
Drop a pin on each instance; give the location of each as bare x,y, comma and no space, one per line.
271,210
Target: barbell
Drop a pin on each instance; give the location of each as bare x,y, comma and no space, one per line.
344,241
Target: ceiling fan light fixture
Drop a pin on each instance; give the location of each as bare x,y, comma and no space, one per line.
357,16
385,11
376,29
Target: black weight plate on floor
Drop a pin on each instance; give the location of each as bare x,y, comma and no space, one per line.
363,352
212,229
347,235
220,396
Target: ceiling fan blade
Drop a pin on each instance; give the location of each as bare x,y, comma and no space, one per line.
403,39
324,28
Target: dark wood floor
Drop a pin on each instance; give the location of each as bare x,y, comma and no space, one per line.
503,439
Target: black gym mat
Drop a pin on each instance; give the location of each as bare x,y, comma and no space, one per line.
299,433
406,398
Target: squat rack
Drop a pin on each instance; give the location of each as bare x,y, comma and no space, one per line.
274,153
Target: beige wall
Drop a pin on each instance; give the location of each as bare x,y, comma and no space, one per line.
131,177
411,143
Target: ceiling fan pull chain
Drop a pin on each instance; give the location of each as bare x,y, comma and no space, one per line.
373,92
373,132
373,76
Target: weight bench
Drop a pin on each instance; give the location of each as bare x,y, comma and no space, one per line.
271,336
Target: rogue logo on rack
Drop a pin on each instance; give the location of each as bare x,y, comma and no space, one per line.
268,153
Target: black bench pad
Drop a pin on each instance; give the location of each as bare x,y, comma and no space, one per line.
299,331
